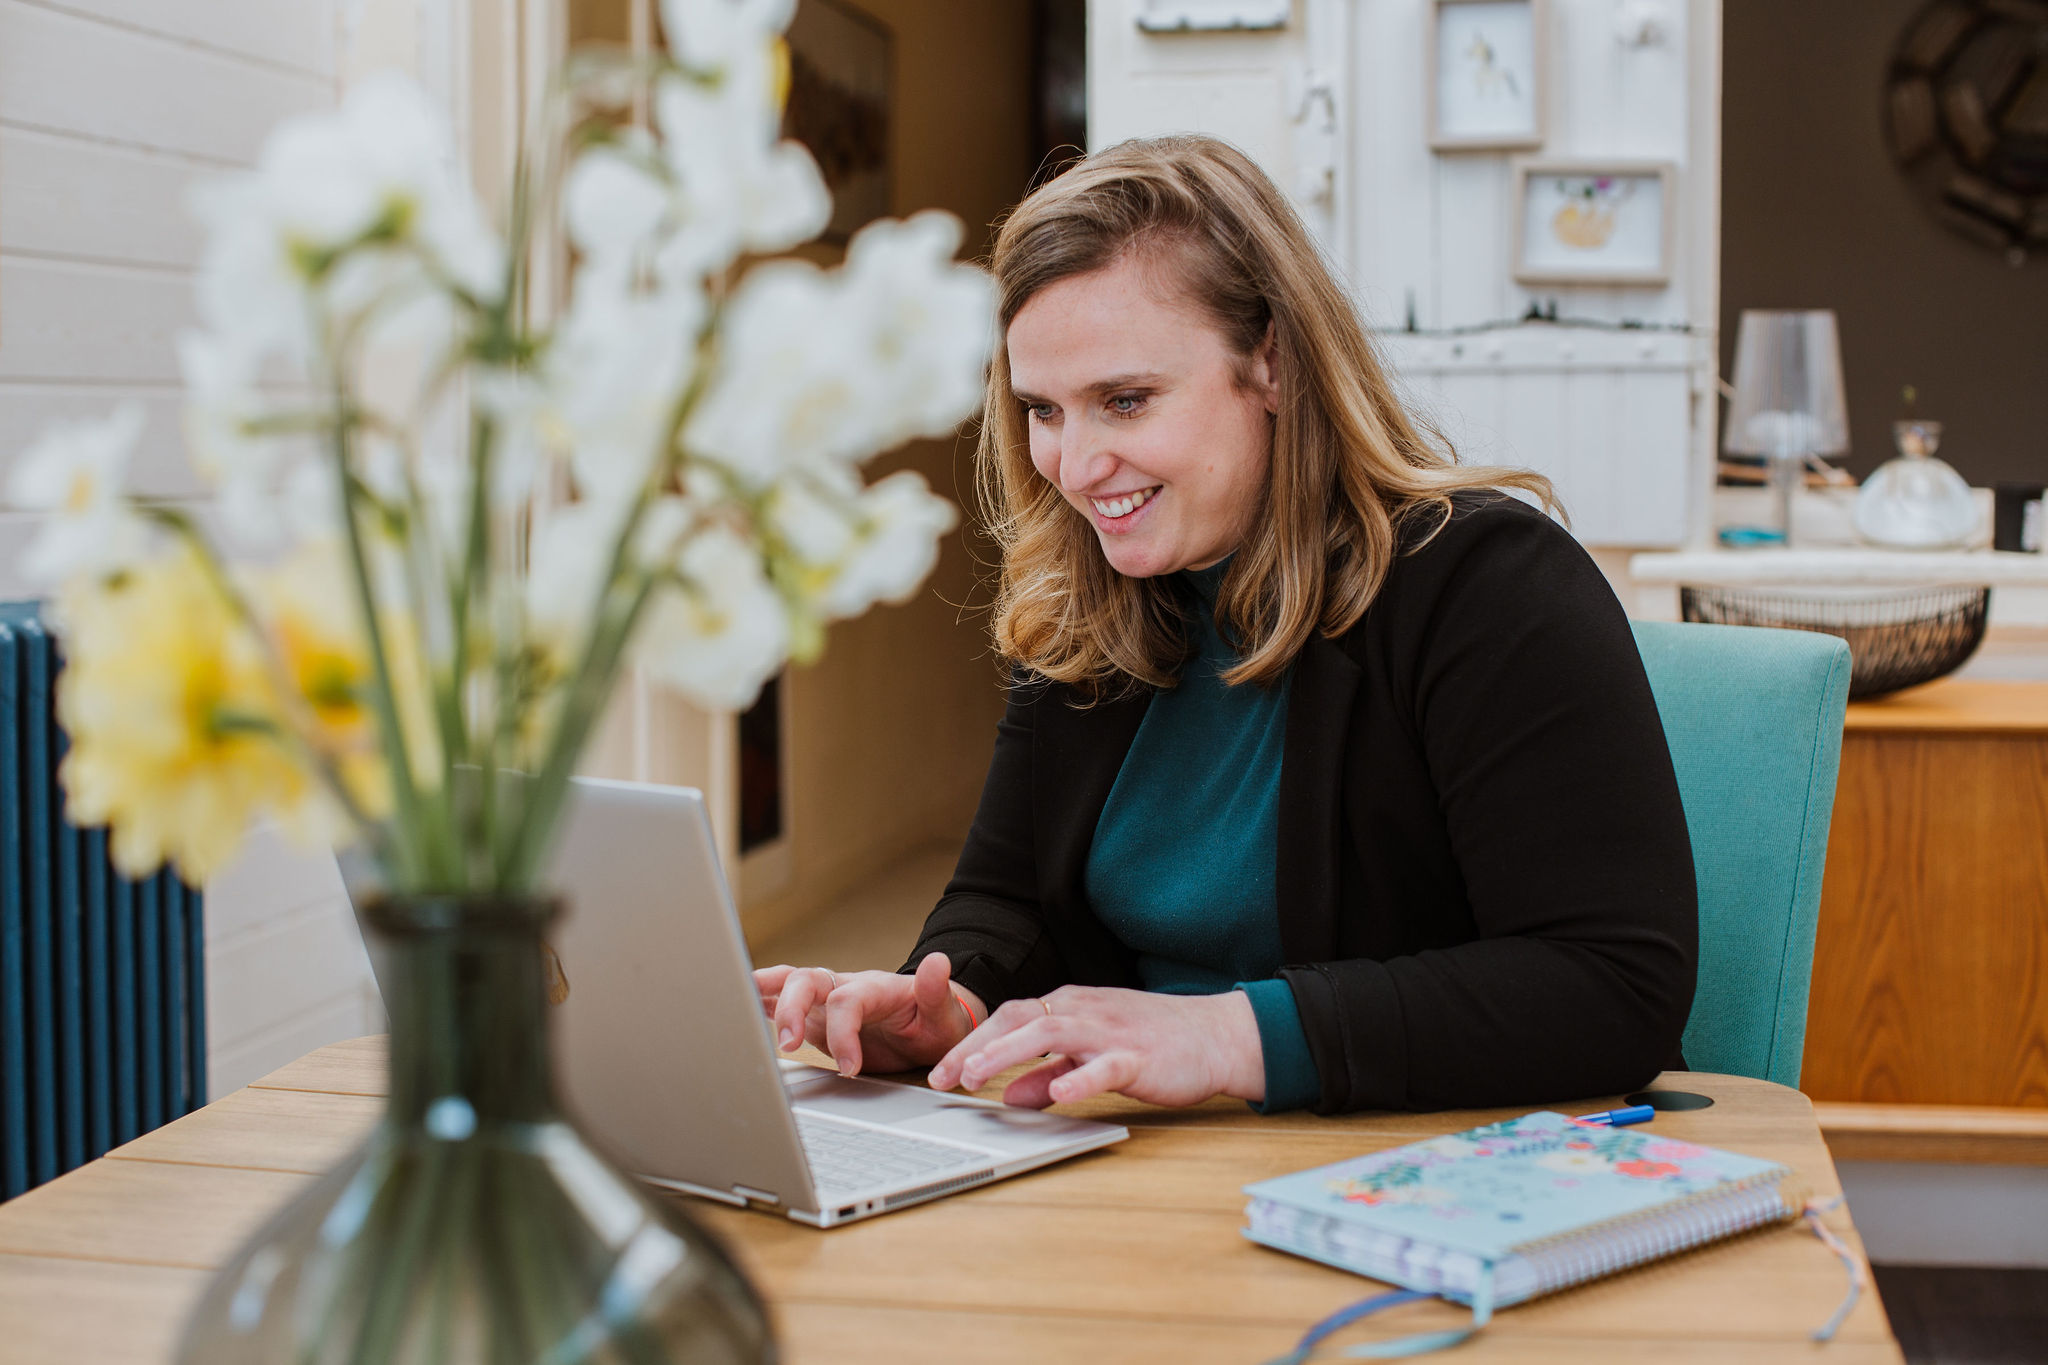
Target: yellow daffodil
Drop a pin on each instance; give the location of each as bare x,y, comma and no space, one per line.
172,717
311,612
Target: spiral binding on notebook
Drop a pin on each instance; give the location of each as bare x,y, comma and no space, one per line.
1589,1253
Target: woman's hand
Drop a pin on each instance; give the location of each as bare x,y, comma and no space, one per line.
874,1021
1162,1049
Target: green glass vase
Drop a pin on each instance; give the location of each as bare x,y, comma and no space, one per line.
475,1224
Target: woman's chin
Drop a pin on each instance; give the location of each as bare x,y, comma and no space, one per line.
1135,558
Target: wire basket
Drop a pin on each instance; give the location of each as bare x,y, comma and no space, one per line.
1896,639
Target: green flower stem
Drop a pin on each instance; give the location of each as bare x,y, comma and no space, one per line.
551,1284
444,1282
472,581
509,701
447,704
417,866
397,1280
585,703
497,1252
599,669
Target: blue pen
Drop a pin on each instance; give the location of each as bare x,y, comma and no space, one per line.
1618,1118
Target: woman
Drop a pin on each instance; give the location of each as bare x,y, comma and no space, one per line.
1291,688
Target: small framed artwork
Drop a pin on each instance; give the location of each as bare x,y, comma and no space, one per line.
1593,222
1485,74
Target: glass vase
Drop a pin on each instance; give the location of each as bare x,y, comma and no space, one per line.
475,1223
1916,501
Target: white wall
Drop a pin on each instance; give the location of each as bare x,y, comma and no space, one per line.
108,109
1332,104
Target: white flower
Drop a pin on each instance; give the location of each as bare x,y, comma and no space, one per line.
74,472
896,545
723,631
378,176
788,386
613,376
709,35
570,555
813,513
927,322
816,367
222,403
612,201
739,188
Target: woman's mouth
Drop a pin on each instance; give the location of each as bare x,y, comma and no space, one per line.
1116,513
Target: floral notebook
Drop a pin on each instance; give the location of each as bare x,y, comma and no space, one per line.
1511,1210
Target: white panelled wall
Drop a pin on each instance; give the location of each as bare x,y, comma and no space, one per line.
108,109
1331,103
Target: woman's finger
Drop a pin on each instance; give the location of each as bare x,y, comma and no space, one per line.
1031,1090
932,992
1011,1015
1101,1075
846,1009
801,989
1046,1034
768,981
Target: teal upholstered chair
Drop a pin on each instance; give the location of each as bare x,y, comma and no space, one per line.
1754,720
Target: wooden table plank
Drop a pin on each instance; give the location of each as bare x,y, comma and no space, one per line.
1957,706
1129,1254
1194,1267
68,1310
145,1212
861,1334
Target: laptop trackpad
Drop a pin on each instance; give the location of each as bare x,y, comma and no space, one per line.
954,1118
861,1100
1017,1132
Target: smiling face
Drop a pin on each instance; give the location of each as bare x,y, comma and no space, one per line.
1143,417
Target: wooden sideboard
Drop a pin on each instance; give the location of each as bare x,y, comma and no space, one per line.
1930,971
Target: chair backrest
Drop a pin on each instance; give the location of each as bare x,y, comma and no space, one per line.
1754,721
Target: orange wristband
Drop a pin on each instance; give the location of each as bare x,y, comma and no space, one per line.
960,995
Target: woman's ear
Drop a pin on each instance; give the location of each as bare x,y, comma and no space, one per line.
1266,370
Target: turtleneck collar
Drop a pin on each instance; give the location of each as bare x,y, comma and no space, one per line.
1207,582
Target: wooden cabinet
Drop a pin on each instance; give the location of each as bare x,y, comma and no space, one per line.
1930,973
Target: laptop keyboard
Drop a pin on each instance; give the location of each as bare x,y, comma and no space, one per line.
848,1156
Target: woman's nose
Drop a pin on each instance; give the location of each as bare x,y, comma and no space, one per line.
1084,460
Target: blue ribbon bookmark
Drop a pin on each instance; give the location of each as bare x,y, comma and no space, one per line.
1420,1343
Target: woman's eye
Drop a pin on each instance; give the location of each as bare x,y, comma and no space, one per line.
1038,412
1124,404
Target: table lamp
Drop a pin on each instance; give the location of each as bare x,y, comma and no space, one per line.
1788,403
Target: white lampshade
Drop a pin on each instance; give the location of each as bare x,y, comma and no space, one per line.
1788,387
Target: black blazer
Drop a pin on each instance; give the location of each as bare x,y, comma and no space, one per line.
1483,877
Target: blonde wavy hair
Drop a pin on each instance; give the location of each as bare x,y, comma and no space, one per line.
1350,468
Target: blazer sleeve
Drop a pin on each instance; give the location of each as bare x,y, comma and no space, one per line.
989,921
1542,741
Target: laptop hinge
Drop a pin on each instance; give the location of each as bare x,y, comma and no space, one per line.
703,1191
747,1192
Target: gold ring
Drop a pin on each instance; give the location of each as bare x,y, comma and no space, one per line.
1046,1006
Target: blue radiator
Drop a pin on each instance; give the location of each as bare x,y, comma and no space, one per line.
102,979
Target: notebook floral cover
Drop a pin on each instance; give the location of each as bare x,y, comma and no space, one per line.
1495,1189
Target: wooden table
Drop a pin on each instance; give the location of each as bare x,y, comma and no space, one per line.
1131,1254
1933,939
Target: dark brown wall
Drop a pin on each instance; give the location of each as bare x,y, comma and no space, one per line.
1813,216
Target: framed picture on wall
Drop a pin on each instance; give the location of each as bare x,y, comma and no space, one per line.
1485,74
840,107
1593,222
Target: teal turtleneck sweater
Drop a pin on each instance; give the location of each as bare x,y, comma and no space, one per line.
1182,867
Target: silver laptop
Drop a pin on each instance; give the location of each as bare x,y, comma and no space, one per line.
662,1047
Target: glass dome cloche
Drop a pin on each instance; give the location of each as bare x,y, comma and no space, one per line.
1916,501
